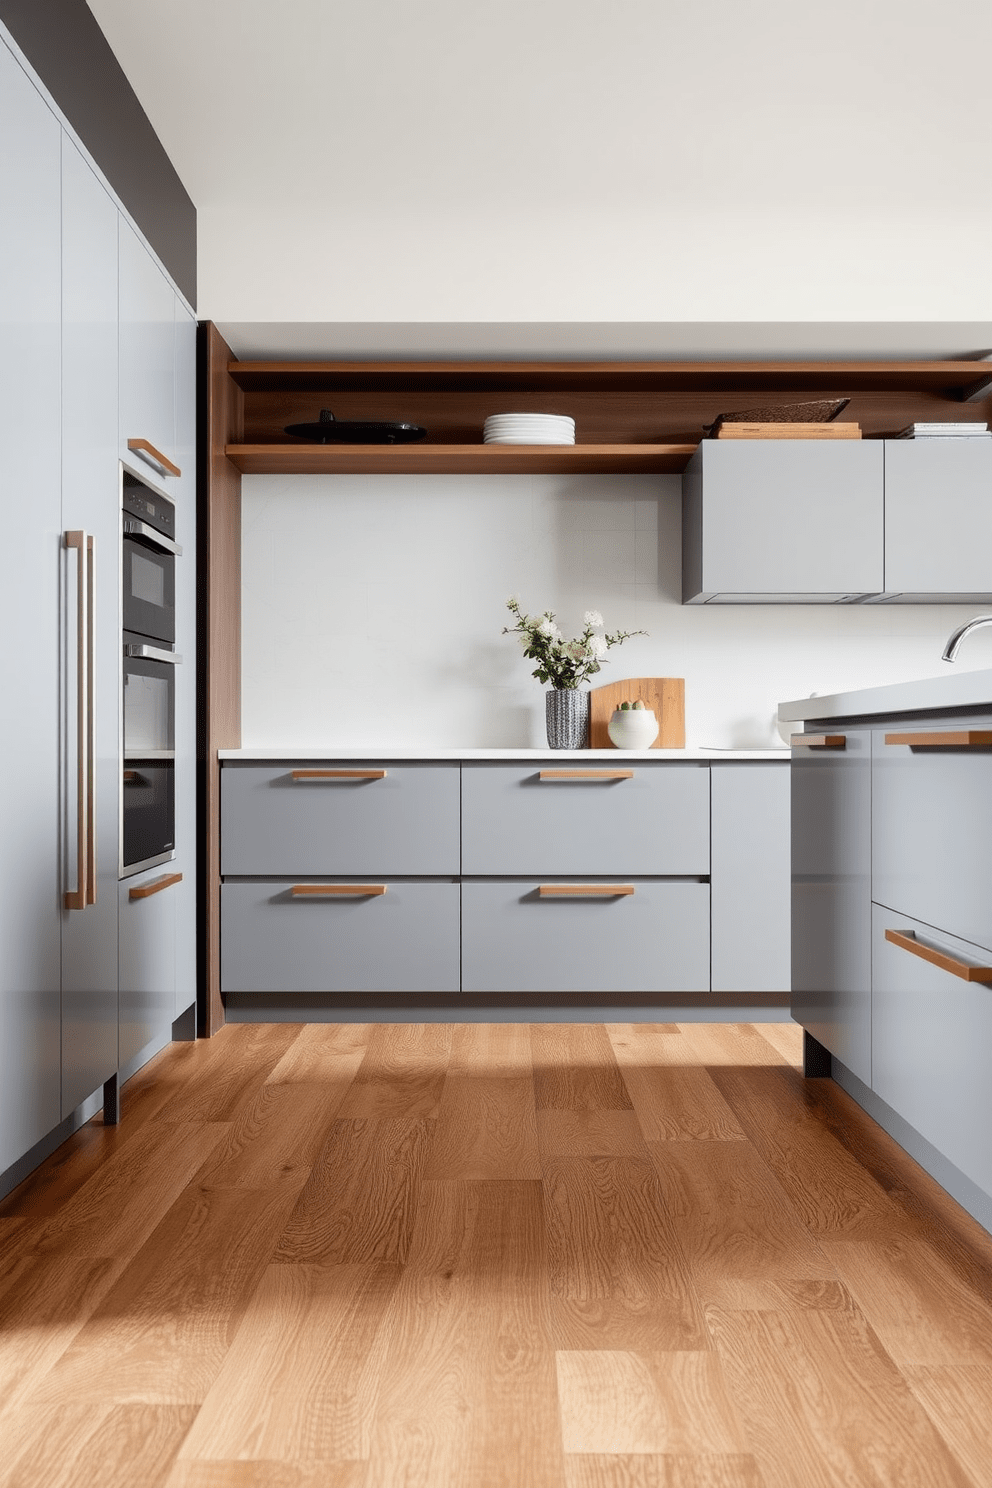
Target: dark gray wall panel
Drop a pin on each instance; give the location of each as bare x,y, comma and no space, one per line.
71,55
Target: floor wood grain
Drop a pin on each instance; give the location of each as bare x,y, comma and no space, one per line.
490,1256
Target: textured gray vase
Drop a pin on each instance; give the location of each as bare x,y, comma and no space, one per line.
566,711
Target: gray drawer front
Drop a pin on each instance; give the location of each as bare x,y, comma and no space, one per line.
931,1036
406,823
405,940
656,823
654,940
932,832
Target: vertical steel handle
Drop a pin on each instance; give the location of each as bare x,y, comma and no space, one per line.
78,898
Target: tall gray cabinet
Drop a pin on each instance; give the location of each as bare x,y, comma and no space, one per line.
69,369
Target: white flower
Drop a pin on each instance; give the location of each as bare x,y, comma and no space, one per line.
597,647
549,628
593,618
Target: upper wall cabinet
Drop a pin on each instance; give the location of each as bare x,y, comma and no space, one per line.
783,521
147,360
938,520
816,522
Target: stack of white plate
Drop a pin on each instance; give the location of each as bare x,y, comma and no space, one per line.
528,428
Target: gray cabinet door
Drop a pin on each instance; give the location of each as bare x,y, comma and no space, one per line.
938,519
750,898
322,819
788,520
931,1035
91,501
656,822
402,940
147,355
184,493
653,940
932,830
831,897
147,962
30,557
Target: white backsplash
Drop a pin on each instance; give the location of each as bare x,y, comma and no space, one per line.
373,605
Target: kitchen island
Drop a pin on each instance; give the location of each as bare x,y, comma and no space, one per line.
504,883
892,913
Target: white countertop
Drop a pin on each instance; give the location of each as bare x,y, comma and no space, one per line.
952,689
576,756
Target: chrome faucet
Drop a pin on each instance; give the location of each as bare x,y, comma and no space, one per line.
957,636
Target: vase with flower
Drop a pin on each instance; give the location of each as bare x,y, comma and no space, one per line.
566,664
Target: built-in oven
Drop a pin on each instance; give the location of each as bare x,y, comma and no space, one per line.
148,561
148,677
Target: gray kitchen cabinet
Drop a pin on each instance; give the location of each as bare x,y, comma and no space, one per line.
387,936
147,329
932,1031
932,825
91,502
30,565
938,520
831,896
782,521
317,820
631,817
148,904
637,937
750,895
183,490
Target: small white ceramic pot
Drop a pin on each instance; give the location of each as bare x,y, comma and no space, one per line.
633,728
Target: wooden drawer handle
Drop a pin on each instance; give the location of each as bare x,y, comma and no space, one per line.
960,739
818,741
148,452
337,891
339,775
145,891
587,774
584,891
962,969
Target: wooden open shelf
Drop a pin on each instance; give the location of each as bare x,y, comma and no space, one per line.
459,459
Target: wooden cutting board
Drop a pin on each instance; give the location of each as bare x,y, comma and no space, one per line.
665,696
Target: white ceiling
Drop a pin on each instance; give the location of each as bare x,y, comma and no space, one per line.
483,173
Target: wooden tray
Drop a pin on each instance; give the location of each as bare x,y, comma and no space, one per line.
664,695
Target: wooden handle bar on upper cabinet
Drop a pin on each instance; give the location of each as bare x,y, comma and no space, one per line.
147,451
818,741
962,969
145,891
336,891
954,739
586,774
339,775
584,891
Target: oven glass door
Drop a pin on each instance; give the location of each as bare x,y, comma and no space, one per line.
148,810
149,575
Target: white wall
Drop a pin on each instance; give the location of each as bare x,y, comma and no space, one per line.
373,607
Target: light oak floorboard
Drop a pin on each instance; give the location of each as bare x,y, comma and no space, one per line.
958,1400
499,1050
360,1201
673,1095
734,1044
634,1402
267,1475
45,1303
590,1134
402,1073
234,1064
67,1446
920,1310
278,1138
163,1331
786,1037
575,1068
734,1220
822,1404
331,1052
654,1470
486,1128
301,1378
618,1274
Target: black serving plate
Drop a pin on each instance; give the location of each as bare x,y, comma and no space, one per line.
330,430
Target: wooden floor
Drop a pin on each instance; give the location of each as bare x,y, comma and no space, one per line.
484,1255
